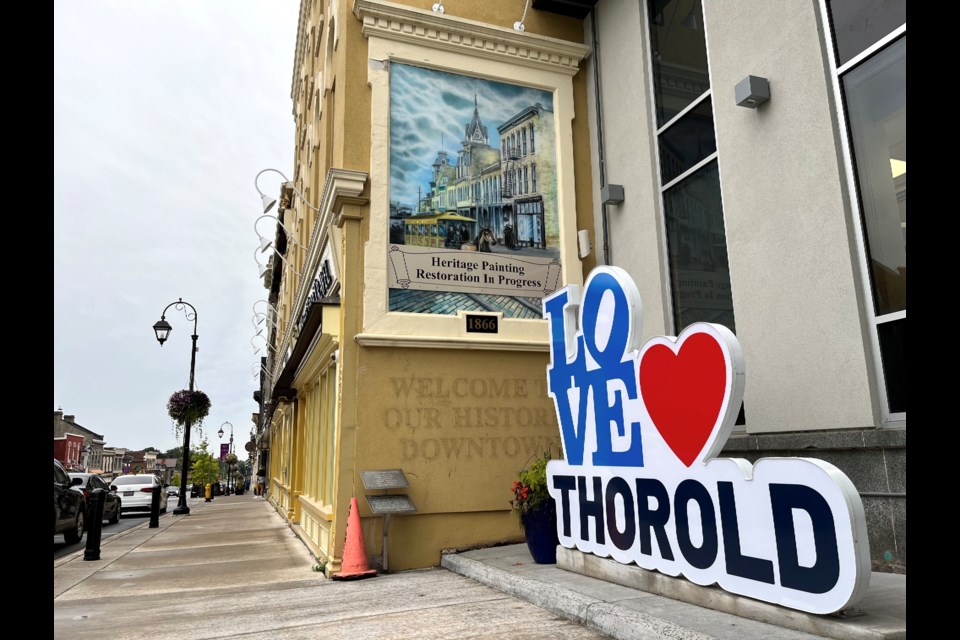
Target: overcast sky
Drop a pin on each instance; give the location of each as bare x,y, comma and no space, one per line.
164,111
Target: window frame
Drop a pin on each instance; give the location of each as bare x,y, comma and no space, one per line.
657,131
894,419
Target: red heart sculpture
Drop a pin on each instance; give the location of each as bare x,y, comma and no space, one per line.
684,392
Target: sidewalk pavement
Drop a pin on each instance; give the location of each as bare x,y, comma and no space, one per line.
234,568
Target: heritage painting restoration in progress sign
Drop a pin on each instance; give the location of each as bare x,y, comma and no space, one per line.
439,270
641,427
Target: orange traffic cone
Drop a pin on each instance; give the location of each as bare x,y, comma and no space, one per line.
354,564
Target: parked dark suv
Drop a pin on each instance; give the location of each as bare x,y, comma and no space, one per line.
69,506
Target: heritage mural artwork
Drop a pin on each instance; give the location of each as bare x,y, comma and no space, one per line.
640,482
473,195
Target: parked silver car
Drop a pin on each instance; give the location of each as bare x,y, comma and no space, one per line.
136,492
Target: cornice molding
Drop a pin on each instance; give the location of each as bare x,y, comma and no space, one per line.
438,342
343,187
298,50
449,33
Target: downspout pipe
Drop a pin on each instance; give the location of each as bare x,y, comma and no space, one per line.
602,161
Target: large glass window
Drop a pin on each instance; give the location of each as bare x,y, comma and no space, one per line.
689,176
859,24
679,55
876,93
697,250
688,141
870,47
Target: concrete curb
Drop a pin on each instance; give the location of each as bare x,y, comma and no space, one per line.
118,536
854,625
617,622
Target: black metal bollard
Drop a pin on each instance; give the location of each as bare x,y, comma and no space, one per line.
155,507
94,518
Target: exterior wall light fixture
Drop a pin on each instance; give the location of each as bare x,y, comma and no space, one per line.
518,25
269,202
611,194
752,91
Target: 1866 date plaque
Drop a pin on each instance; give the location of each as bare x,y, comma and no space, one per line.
384,479
482,324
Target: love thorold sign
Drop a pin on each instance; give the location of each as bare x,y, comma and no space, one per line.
640,482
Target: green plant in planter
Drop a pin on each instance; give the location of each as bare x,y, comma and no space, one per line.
537,511
530,489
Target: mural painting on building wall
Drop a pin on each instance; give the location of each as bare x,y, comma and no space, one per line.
474,221
641,481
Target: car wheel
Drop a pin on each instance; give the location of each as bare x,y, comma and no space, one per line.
74,535
116,515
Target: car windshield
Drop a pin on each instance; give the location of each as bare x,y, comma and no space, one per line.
132,480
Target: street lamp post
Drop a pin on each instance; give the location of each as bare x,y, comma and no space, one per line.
162,329
229,450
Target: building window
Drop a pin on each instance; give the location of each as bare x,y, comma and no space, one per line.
524,141
689,175
698,271
526,180
869,58
533,177
533,147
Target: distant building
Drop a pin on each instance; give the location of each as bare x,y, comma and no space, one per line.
68,449
90,458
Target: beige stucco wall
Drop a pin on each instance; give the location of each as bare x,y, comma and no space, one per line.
462,498
793,266
461,425
634,227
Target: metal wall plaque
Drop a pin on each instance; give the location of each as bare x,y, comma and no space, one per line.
384,504
384,479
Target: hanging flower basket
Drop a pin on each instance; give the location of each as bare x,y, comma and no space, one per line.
230,458
188,406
